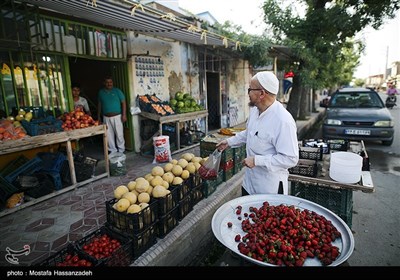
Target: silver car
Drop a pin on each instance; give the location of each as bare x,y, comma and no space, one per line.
358,114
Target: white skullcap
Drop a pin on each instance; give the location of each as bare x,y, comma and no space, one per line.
268,81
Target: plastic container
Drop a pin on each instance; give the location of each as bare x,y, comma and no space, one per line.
345,167
117,164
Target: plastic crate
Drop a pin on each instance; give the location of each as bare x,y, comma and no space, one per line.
84,169
305,167
131,223
209,186
168,222
196,194
121,256
144,240
169,202
70,251
339,201
310,153
6,189
42,126
197,180
228,174
52,162
56,178
184,188
184,207
27,168
238,167
13,165
338,145
45,186
348,217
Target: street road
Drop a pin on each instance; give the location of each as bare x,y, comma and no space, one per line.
376,216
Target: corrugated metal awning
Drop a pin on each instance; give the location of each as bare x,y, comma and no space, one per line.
118,13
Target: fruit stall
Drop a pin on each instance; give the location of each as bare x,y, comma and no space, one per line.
51,161
177,120
311,178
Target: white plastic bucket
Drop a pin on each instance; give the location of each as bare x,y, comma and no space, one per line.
345,167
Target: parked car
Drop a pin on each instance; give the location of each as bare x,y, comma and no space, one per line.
358,114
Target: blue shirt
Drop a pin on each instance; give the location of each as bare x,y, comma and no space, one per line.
111,100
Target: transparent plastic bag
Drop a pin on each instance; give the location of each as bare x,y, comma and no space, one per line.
209,170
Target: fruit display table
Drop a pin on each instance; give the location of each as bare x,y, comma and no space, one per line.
177,119
34,142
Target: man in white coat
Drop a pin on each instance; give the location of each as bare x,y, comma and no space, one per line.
270,138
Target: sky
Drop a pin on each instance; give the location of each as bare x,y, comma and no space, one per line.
380,44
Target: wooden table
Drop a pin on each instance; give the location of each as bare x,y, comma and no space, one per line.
365,184
177,119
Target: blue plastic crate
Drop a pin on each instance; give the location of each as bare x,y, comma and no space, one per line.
52,162
28,168
42,126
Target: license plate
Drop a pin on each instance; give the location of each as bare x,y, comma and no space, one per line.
357,132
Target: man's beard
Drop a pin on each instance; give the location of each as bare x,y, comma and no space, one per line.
251,104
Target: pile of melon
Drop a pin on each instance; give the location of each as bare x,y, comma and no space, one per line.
136,195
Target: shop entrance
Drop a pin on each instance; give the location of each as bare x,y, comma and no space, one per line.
90,74
213,101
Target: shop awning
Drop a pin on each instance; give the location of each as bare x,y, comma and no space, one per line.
130,15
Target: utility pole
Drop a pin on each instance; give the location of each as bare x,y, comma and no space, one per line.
386,64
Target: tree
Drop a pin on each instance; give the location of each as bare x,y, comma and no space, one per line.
322,40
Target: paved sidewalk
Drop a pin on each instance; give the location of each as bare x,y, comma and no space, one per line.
48,226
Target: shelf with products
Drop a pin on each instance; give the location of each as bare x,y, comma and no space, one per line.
28,145
178,120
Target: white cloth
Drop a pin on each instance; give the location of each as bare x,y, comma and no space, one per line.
115,134
272,138
268,81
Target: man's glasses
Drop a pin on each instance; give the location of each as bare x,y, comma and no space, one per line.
250,89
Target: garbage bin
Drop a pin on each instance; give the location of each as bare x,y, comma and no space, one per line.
117,164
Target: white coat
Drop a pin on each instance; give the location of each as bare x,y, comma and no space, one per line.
271,137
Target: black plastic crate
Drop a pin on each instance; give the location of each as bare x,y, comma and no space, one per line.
68,253
184,207
310,153
169,202
168,222
144,240
13,165
121,256
305,167
131,223
45,186
184,188
338,144
196,194
339,201
6,189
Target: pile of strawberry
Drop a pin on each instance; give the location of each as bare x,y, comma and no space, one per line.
208,173
285,235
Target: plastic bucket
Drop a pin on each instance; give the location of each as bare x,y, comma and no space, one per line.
117,164
345,167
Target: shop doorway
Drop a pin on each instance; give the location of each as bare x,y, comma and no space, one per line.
213,101
90,75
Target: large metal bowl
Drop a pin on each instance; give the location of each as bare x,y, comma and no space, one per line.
227,213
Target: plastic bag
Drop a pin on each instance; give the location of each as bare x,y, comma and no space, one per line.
209,170
117,164
162,152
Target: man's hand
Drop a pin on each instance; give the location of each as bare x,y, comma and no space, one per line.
221,146
124,118
249,162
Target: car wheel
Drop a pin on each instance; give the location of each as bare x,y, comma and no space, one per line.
388,143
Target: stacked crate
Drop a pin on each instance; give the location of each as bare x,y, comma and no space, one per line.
141,228
338,200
